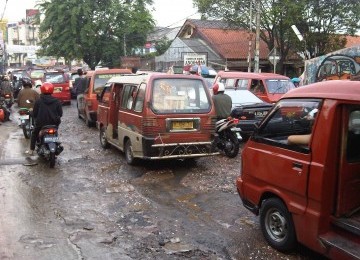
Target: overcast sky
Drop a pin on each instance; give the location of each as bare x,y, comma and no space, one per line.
167,12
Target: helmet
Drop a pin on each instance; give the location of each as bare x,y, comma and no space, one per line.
2,115
218,87
47,88
26,82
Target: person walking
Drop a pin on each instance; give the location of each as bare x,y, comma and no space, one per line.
80,87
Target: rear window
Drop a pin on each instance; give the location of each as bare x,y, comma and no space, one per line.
55,78
279,86
180,95
102,79
37,74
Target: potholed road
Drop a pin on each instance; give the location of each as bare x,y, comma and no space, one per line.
93,205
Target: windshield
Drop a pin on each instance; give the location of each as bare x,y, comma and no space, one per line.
279,86
55,78
178,95
102,79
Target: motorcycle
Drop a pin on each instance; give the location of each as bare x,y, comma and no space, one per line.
48,145
227,136
26,121
5,111
8,100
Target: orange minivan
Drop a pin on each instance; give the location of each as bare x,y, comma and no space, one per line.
269,87
157,116
300,170
96,80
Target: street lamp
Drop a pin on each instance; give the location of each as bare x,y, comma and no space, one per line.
301,38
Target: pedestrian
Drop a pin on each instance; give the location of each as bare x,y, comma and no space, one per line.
27,96
47,111
80,87
222,101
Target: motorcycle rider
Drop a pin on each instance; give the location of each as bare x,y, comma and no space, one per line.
5,87
47,111
27,93
222,101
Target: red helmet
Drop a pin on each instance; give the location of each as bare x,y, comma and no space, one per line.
2,115
47,88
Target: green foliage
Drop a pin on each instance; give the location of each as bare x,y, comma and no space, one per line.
318,20
162,45
94,30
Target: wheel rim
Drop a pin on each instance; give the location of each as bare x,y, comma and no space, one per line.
276,225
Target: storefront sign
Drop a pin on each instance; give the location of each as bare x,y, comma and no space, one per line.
195,59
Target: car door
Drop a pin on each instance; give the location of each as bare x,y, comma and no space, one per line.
280,166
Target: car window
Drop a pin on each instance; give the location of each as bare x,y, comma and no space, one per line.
290,118
279,86
353,137
139,101
55,78
179,95
102,79
37,74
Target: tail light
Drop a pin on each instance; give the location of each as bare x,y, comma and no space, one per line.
51,131
150,126
23,112
236,120
7,96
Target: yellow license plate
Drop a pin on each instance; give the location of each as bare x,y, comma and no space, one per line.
183,125
58,90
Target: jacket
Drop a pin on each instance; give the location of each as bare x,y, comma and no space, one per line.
223,104
27,94
47,111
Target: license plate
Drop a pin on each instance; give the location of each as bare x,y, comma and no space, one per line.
51,139
24,117
261,113
58,90
182,125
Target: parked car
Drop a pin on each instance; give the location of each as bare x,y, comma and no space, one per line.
157,116
96,80
269,87
60,80
248,108
300,170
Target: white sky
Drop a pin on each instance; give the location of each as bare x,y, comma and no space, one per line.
167,13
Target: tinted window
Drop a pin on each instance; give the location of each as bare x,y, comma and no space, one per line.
180,96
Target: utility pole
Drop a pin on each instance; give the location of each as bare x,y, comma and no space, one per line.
250,37
257,37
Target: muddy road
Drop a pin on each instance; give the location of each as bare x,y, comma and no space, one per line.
93,205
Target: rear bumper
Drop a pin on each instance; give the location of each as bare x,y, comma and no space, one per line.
177,150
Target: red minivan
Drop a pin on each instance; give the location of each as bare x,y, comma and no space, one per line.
269,87
60,80
96,80
157,116
300,170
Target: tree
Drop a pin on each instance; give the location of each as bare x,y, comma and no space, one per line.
319,21
94,30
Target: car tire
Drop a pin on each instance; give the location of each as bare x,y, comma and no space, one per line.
103,140
277,225
129,155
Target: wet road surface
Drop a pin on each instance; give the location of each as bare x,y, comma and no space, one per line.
93,205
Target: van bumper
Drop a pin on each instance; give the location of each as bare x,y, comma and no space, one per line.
177,150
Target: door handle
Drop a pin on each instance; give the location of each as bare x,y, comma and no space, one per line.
297,165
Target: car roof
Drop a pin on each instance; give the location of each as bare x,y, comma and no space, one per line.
252,75
137,79
332,89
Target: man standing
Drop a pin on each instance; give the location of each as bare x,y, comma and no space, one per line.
80,87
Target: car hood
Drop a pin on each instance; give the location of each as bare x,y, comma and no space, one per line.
241,97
